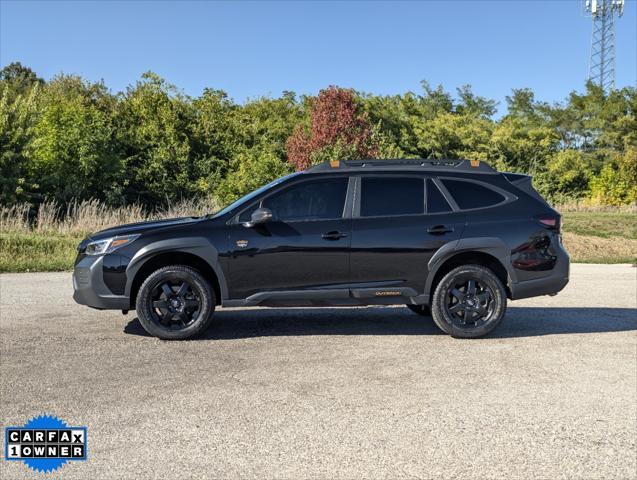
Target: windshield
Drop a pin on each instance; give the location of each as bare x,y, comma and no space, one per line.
251,195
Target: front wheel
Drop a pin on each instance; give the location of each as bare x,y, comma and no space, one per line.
469,302
175,303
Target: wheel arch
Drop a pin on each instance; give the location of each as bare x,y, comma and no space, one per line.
202,257
488,252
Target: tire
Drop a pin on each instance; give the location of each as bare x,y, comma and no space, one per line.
485,301
175,303
420,309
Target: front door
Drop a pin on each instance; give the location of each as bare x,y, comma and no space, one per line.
398,225
305,246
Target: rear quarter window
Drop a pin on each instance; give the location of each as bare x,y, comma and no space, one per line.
470,195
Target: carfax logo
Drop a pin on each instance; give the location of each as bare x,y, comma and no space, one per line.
45,443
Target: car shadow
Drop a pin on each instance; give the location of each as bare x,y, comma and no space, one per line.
519,322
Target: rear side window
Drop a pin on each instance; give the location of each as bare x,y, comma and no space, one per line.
436,202
382,196
471,195
312,200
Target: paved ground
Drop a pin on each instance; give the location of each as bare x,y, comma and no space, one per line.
332,393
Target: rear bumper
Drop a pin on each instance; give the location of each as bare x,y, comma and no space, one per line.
89,287
550,285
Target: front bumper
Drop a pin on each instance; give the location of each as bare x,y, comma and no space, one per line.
89,287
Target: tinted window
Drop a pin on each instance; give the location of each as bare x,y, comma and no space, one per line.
471,195
391,196
314,200
436,202
246,215
245,199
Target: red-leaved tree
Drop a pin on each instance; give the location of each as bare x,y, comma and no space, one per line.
338,130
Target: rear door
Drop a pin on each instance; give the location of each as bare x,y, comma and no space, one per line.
399,221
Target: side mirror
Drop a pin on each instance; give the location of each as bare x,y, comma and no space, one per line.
259,216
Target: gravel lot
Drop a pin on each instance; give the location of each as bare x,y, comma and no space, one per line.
332,393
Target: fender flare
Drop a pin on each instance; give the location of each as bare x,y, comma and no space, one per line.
198,246
490,245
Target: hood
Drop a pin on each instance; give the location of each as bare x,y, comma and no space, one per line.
142,227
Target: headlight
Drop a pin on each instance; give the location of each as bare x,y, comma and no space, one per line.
108,245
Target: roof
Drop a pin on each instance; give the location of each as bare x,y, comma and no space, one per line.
400,164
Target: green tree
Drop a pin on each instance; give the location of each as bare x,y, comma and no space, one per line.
257,153
73,153
68,138
214,140
472,104
18,113
616,184
451,135
567,175
522,146
20,78
249,171
154,122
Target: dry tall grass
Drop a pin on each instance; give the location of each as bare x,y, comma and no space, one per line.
15,217
91,215
589,249
586,205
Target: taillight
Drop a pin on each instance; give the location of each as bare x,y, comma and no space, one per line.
553,222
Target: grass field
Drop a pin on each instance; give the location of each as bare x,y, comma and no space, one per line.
589,237
604,225
600,237
37,252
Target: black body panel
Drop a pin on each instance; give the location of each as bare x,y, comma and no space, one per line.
284,256
398,249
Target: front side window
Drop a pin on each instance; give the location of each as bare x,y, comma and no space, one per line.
246,215
472,195
246,198
311,200
382,196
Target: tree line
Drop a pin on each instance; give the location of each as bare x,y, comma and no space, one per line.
70,139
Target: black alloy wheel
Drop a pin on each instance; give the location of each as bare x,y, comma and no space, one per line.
469,302
175,303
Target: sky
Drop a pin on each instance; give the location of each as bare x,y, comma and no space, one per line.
250,49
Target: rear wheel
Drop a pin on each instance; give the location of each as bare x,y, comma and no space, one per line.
469,302
420,309
175,303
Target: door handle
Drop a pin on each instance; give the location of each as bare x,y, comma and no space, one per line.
335,235
439,230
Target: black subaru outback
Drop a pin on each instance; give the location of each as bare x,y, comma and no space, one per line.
450,239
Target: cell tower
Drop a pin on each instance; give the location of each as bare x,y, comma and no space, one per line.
601,67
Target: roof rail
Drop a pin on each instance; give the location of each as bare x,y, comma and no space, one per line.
476,166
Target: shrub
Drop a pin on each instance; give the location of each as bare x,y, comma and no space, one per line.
616,183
